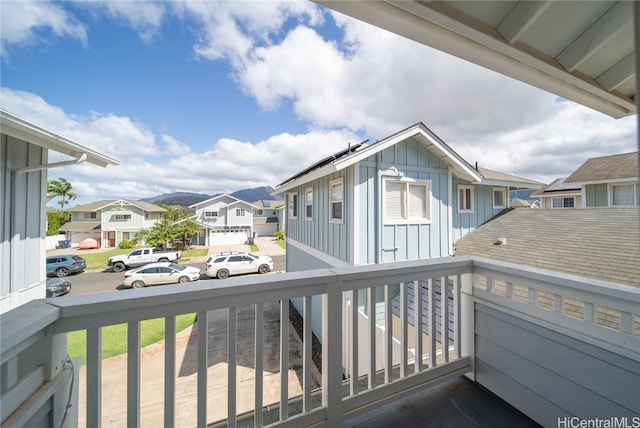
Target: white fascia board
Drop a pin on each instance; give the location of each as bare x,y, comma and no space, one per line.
207,201
239,201
428,139
628,180
514,184
23,130
318,173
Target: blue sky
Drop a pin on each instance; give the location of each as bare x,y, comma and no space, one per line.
215,97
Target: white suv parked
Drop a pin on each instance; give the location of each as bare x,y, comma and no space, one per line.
222,265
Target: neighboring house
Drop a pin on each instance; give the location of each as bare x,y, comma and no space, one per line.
522,203
24,156
225,220
408,196
608,181
267,217
110,221
559,194
600,243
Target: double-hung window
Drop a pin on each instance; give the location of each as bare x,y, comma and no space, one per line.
406,201
336,198
465,199
293,205
308,204
240,212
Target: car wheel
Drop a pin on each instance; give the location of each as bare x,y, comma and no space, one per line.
137,284
118,267
183,279
222,274
60,272
263,269
164,259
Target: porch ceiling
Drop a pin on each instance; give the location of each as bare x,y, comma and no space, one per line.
582,51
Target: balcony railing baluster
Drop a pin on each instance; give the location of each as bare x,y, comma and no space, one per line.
442,293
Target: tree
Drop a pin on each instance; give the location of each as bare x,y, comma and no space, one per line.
60,188
55,219
186,229
173,224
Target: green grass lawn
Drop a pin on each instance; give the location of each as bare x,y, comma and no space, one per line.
282,243
114,338
98,260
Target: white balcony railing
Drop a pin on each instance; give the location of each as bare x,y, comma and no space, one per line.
362,334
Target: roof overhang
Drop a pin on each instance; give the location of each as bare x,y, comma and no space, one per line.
582,51
419,131
21,129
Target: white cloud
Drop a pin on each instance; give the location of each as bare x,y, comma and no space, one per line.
229,165
368,83
27,23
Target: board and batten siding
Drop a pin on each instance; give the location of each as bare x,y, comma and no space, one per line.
549,375
22,223
378,242
136,222
319,233
465,222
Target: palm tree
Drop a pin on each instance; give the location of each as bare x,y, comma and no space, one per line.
62,188
186,229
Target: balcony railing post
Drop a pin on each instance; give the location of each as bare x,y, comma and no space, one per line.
332,353
467,323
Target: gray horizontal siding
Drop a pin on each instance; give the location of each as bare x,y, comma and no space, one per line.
549,375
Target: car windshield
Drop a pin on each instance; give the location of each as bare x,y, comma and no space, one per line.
179,268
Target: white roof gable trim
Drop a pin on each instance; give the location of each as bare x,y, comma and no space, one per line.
23,130
431,141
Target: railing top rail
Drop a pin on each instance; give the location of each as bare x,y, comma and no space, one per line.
592,286
23,323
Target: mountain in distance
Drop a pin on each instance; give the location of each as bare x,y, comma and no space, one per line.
524,194
186,199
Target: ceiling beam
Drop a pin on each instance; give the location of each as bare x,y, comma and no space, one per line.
520,19
617,19
620,73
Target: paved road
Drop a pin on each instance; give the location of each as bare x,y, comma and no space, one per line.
99,282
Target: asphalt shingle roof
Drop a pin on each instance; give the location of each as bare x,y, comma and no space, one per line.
599,243
606,168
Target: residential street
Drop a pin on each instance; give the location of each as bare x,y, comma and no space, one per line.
99,282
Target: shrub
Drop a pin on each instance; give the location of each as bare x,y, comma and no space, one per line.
126,244
279,235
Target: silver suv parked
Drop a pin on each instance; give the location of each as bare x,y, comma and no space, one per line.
222,265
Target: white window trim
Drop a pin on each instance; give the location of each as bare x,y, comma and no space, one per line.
307,191
502,190
635,193
471,195
291,205
563,198
408,181
331,184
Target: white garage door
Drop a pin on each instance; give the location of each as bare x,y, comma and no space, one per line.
228,237
265,229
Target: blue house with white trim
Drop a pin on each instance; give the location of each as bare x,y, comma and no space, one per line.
408,196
